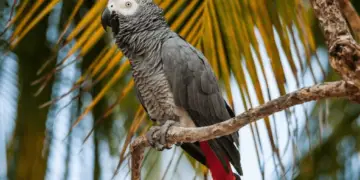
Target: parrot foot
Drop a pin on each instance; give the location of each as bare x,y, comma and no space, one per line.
159,142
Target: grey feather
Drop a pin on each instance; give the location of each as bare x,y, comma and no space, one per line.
200,94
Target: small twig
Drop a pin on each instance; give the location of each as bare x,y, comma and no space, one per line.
181,134
9,20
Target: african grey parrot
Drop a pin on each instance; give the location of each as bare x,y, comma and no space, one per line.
174,82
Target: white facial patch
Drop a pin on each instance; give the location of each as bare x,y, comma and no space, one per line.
124,7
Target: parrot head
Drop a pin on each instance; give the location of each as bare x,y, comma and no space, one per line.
132,16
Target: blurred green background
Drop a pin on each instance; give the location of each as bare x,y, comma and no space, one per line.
68,109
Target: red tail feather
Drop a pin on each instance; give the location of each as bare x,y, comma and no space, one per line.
217,170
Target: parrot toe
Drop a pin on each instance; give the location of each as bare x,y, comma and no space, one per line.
159,141
150,135
163,133
154,139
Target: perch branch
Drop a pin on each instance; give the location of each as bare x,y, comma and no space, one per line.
181,134
343,49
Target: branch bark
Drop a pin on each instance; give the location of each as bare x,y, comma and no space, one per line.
343,49
181,134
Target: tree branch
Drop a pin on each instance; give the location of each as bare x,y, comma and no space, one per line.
343,49
181,134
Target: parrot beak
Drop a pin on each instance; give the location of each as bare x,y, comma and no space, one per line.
105,18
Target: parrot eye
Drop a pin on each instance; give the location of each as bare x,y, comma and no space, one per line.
128,4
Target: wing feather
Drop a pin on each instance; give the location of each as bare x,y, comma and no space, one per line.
195,89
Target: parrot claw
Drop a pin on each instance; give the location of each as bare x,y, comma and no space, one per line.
159,143
150,135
